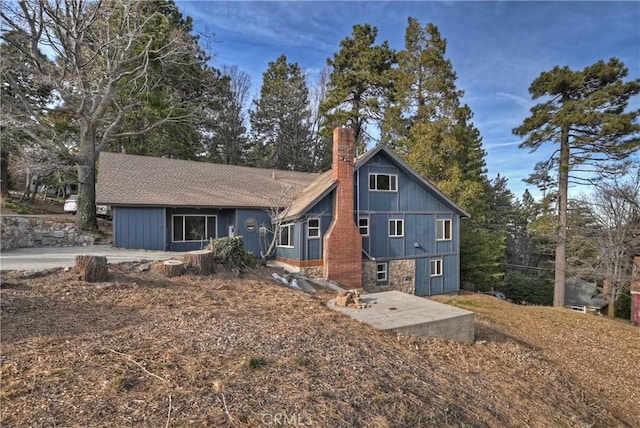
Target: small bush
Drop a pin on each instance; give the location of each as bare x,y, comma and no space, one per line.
534,290
623,306
255,363
230,253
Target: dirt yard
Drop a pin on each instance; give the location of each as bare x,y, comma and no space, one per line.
144,350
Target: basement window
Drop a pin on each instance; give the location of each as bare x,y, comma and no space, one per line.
383,182
381,273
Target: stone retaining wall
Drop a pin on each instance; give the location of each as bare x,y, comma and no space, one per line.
20,231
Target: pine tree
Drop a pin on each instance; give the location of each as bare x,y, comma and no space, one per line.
280,122
225,140
430,127
584,113
360,83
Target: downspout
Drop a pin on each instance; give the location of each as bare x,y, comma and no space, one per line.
357,170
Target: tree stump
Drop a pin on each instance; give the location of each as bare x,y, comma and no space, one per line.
171,268
92,268
202,261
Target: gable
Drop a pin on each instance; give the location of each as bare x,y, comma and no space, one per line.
414,193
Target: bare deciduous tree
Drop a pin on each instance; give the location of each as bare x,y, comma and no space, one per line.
611,237
84,52
278,211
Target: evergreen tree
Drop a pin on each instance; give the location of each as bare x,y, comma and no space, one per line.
360,83
280,122
186,90
227,143
430,127
584,113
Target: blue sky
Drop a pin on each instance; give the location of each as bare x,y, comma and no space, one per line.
496,48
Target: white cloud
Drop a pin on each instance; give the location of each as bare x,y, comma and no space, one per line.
522,102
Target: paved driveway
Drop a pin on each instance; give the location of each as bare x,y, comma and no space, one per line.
34,259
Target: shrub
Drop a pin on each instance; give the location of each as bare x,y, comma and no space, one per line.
534,290
230,253
623,306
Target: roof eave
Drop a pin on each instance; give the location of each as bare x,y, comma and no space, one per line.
311,204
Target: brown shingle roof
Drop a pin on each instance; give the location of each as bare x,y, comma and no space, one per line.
142,180
310,195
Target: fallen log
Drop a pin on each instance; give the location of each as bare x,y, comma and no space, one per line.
92,268
201,261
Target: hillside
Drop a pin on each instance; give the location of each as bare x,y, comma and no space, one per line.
144,350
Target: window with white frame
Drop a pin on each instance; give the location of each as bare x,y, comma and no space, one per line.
194,227
313,228
436,267
443,229
285,237
383,182
381,272
396,228
363,226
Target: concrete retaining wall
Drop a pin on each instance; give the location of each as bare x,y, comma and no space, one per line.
20,231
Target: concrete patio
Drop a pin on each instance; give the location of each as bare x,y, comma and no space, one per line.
413,315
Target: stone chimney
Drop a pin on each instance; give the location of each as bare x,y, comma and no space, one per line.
342,251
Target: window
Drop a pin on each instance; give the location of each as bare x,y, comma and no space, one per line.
285,239
436,267
386,182
250,224
443,227
193,228
396,228
313,228
363,225
381,272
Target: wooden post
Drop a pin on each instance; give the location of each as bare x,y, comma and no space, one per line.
202,261
92,268
171,268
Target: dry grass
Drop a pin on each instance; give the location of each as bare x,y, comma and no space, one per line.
144,350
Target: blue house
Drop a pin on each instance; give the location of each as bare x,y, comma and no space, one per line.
371,221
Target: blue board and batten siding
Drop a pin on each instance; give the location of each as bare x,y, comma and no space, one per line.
151,228
419,208
139,227
244,221
323,211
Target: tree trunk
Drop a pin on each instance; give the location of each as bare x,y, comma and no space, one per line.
171,268
561,244
4,173
86,218
202,261
92,268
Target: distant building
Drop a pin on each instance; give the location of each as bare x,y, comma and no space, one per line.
585,297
